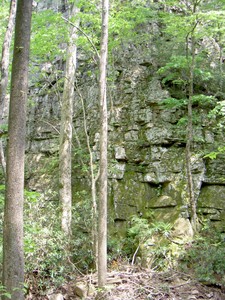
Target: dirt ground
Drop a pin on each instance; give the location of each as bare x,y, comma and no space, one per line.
133,283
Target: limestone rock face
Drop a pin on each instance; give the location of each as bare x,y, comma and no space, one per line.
147,167
183,229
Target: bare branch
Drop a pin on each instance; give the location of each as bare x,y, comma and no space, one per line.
88,38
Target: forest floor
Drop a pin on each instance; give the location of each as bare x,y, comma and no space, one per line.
134,283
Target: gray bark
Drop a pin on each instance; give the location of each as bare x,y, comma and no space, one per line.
189,135
13,257
66,131
102,207
5,73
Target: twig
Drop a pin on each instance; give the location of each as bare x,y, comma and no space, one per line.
51,126
88,38
75,267
134,256
182,284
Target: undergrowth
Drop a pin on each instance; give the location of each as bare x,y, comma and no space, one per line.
148,242
204,257
51,259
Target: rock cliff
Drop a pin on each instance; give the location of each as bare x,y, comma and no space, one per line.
146,142
147,139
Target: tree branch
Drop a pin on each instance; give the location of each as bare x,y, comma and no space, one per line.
88,38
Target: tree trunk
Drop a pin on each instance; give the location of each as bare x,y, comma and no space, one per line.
102,207
221,67
66,130
94,213
5,72
192,198
13,257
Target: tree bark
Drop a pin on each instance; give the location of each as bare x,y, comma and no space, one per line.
5,72
13,257
65,192
102,207
189,136
94,214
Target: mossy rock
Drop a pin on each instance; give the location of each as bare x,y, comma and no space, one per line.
212,196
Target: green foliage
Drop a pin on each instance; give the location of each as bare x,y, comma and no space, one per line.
50,257
218,110
82,158
46,248
125,20
178,25
203,100
3,129
49,31
205,257
142,229
115,249
175,71
214,154
153,240
174,103
3,292
82,225
205,24
90,23
207,15
217,115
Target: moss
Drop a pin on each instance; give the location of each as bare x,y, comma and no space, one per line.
212,196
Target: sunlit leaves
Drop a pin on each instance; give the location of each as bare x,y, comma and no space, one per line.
175,70
180,18
127,19
49,31
170,103
214,154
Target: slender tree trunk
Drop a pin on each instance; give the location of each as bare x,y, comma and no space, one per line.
192,198
94,214
221,68
102,207
2,158
66,130
13,258
5,72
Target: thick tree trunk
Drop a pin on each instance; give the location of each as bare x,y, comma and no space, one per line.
13,258
102,207
5,72
66,131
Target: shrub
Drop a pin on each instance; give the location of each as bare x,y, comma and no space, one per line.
46,248
205,257
150,241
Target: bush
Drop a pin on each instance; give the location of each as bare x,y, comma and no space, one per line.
46,248
205,257
150,241
50,258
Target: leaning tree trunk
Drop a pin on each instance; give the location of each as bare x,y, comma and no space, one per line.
13,257
66,130
102,207
5,72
